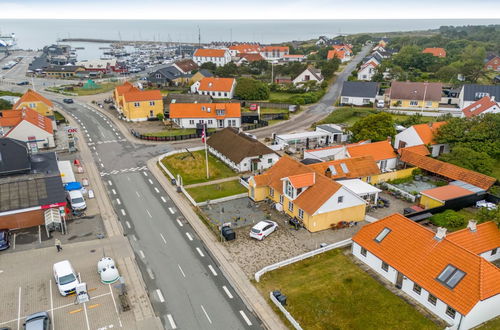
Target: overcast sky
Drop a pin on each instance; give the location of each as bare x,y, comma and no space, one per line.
256,9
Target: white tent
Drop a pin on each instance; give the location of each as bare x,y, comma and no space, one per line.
361,188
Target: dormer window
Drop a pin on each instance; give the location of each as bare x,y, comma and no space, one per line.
289,189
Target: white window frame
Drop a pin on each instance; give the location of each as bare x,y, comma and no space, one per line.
290,206
301,214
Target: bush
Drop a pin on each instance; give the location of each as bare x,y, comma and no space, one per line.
251,89
160,116
448,219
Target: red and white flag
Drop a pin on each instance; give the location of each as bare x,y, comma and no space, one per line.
203,136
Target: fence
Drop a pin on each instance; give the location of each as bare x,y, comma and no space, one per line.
260,124
272,104
288,316
300,257
405,194
168,138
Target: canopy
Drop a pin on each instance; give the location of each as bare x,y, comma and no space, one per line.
73,186
359,187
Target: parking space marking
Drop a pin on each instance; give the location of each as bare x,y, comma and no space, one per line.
245,317
171,210
226,290
212,270
200,252
182,272
206,314
163,199
160,295
52,305
179,222
19,310
123,212
149,213
74,311
128,224
116,308
189,236
171,321
163,238
118,201
93,306
142,254
157,191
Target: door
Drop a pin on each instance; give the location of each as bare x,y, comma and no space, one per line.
255,166
399,280
221,123
441,150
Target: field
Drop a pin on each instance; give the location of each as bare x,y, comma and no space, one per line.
280,96
330,292
103,88
216,190
194,170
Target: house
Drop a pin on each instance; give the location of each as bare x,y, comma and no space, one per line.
437,52
274,52
438,271
63,71
383,42
438,196
234,50
183,98
342,55
359,93
37,102
323,135
334,133
28,126
471,93
362,167
200,74
415,95
343,47
246,58
300,192
332,152
100,65
422,134
165,76
493,64
382,152
137,105
367,70
186,66
219,57
241,151
484,105
309,74
482,239
294,58
218,88
215,115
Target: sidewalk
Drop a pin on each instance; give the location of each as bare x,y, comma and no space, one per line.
212,182
251,297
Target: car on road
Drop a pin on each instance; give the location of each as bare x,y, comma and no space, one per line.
23,83
4,239
68,101
37,321
263,229
65,277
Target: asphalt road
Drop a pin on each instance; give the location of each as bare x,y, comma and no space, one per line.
186,287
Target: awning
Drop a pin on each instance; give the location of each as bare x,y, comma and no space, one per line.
359,187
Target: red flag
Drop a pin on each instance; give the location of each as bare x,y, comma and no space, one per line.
203,135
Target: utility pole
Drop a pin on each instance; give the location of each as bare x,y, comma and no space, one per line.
199,37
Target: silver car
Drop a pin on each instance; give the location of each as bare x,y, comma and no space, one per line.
37,321
263,229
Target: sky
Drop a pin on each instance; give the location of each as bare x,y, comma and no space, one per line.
256,9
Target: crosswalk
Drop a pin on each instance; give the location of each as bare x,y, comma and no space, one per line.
125,170
103,142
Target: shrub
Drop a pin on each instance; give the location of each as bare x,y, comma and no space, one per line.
448,219
160,116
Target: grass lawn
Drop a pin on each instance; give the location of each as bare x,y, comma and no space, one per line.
194,170
280,96
8,93
329,291
217,190
103,88
58,116
491,325
175,132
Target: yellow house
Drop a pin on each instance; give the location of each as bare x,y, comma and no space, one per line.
312,198
63,71
415,95
37,102
141,105
122,89
440,195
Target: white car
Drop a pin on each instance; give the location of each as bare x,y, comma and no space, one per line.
76,200
380,104
65,277
263,229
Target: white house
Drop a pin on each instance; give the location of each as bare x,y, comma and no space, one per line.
441,273
482,239
241,151
272,53
214,115
335,152
421,134
219,57
217,88
359,93
381,151
471,93
367,71
27,125
484,105
309,74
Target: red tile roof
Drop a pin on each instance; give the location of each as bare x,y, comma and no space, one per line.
340,54
447,170
207,52
445,193
12,118
378,150
246,48
302,180
480,106
32,96
357,167
216,84
493,64
438,52
485,238
412,250
428,131
420,149
126,87
138,96
252,57
204,110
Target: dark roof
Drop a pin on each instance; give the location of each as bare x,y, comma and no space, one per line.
14,158
186,98
237,146
168,73
62,68
474,92
206,73
360,89
309,161
187,65
405,90
330,129
39,63
45,163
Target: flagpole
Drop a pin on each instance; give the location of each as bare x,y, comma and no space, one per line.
206,152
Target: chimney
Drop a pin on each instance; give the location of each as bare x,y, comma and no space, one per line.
441,233
472,225
492,98
389,139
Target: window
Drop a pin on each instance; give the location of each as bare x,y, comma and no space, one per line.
494,251
382,235
450,312
301,214
451,276
363,252
271,192
158,75
151,103
219,94
201,121
383,164
366,101
191,121
385,266
417,288
281,199
413,103
288,189
345,100
137,104
340,199
219,112
210,121
428,104
270,160
432,299
32,105
225,94
290,206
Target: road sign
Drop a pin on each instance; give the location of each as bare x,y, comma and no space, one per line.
71,130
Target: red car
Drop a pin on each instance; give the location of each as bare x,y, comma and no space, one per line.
253,107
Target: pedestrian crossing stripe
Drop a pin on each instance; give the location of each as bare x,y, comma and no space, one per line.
125,170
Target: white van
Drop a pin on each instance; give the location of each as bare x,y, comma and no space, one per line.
76,200
380,104
65,277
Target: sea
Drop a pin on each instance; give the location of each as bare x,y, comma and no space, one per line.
34,34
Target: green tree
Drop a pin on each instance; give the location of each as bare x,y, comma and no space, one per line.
468,158
485,215
376,127
251,89
448,219
228,70
414,119
209,66
328,68
5,105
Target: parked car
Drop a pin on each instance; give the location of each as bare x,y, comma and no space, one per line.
76,200
380,104
4,239
263,229
254,107
37,321
23,83
65,277
68,101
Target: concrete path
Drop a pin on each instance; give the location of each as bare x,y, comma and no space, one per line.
233,178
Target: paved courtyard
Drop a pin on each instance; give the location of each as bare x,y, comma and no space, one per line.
397,206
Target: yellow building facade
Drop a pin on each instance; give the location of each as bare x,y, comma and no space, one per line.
37,102
417,104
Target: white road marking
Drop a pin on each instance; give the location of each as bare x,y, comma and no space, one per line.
245,317
163,199
163,238
137,193
206,314
51,305
150,181
182,272
19,310
142,254
98,158
157,191
149,213
212,270
226,290
86,316
102,165
145,173
93,147
150,273
171,321
160,295
116,308
90,139
171,210
110,183
179,222
114,191
123,212
134,237
128,224
118,201
189,236
200,252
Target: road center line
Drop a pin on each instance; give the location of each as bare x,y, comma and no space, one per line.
123,212
128,224
179,222
226,290
189,236
149,213
157,191
118,201
150,273
182,272
200,252
143,256
171,210
114,191
163,199
212,270
171,321
110,183
150,181
206,314
146,175
245,317
160,295
137,193
163,238
102,165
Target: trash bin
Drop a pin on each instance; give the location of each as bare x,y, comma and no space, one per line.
228,233
173,182
282,299
276,293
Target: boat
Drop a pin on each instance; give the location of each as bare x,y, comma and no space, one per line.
8,41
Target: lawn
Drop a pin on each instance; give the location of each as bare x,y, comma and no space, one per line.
59,117
491,325
176,132
103,88
329,291
280,96
194,170
8,93
217,190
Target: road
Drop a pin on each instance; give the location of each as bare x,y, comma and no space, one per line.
186,286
